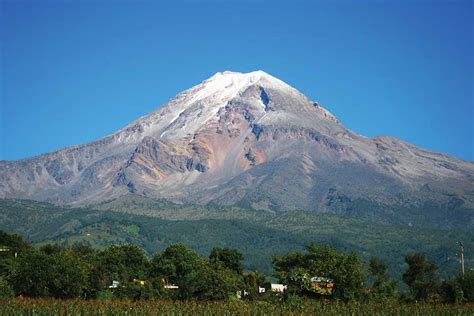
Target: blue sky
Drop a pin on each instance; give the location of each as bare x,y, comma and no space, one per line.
74,71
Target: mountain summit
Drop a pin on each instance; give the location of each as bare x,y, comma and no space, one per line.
250,139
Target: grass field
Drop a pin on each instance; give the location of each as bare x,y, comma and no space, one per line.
300,307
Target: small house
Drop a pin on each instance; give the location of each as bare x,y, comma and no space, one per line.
322,285
275,287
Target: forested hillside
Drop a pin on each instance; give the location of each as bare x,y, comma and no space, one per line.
258,235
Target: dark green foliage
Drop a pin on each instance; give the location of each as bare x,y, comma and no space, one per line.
220,283
69,275
12,245
228,258
382,288
421,276
122,262
60,274
50,249
134,291
459,289
451,291
425,214
466,283
13,242
195,276
252,281
96,278
34,274
83,272
256,234
295,268
178,265
6,290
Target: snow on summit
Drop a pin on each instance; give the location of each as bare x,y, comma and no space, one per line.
245,138
229,83
192,108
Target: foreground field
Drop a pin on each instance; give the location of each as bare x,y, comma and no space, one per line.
94,307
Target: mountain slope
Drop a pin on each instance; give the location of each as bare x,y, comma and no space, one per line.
258,235
252,140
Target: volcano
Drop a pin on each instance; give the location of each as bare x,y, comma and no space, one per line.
251,140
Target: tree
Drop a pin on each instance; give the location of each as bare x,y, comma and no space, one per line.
296,268
96,279
466,283
50,249
14,242
59,273
70,275
34,273
451,291
9,264
6,290
252,281
284,265
195,276
122,262
382,288
129,265
219,283
421,276
226,276
180,266
349,277
228,258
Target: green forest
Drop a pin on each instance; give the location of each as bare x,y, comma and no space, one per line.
125,271
139,256
156,224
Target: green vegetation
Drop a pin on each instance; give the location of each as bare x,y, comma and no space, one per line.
133,229
123,279
421,276
125,271
382,287
155,224
295,269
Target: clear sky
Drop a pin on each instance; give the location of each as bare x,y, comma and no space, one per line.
74,71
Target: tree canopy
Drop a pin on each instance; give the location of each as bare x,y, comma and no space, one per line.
421,276
323,261
126,271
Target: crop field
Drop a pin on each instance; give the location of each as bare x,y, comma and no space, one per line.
304,307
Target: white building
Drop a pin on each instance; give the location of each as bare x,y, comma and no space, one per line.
275,287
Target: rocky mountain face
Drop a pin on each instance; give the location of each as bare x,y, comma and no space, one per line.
251,140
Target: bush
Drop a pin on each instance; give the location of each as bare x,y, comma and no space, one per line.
105,295
466,283
6,290
294,303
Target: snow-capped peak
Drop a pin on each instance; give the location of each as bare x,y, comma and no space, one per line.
195,107
227,79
